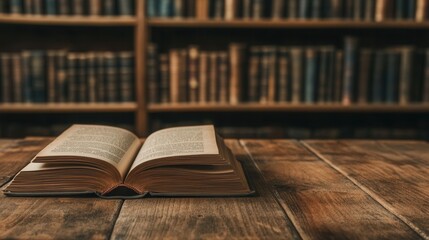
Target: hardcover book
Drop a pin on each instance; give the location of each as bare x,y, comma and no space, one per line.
112,162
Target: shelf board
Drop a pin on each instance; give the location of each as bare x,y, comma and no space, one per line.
334,24
67,107
250,107
67,20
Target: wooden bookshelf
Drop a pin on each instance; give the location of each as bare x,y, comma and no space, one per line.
256,107
67,21
67,107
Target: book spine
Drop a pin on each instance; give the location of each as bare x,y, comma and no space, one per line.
95,7
338,86
364,75
16,6
223,77
405,75
247,9
284,69
348,9
77,7
265,75
166,8
190,8
152,8
258,9
316,9
38,76
82,81
126,72
310,75
28,6
421,11
335,8
63,7
213,77
203,71
174,76
165,85
380,10
6,77
109,7
292,7
38,7
399,9
272,74
152,73
202,9
51,7
303,7
193,74
350,56
178,8
183,76
218,9
277,9
392,77
323,75
297,76
358,9
17,77
254,73
51,73
231,9
100,72
426,78
369,10
377,95
91,76
26,77
110,59
235,60
61,76
71,76
412,8
329,97
126,7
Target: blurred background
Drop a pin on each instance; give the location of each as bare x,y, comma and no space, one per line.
325,69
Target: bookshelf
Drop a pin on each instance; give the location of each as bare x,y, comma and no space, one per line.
165,30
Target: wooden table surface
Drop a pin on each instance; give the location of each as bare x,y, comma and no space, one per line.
305,190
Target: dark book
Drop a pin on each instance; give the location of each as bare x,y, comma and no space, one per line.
322,85
426,78
91,76
38,76
292,9
348,9
100,72
392,76
369,10
51,75
165,78
247,9
236,52
381,10
258,9
338,82
203,76
297,57
316,9
193,74
166,8
111,68
358,7
272,74
231,9
27,83
218,9
378,84
152,73
28,6
38,7
254,73
190,8
183,75
350,65
411,9
284,75
265,74
277,10
213,77
365,70
400,9
61,76
406,73
3,8
63,7
336,7
51,7
95,7
6,77
126,7
82,81
330,75
17,77
179,8
223,78
78,8
304,9
16,6
126,76
152,8
310,75
109,7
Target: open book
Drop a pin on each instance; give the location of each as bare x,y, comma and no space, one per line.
109,161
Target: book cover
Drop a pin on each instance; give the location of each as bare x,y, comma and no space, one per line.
152,73
338,82
405,76
112,84
350,64
258,9
277,10
109,7
297,57
6,77
91,77
265,74
202,9
213,77
82,80
17,77
422,10
272,74
310,82
63,7
231,8
101,76
322,85
247,9
292,9
38,76
51,74
236,68
254,73
126,76
203,76
223,77
369,10
165,78
38,7
193,74
284,75
304,9
166,8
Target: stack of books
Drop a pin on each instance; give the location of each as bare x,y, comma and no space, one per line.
357,10
69,7
292,74
59,76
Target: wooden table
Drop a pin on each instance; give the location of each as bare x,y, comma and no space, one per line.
305,189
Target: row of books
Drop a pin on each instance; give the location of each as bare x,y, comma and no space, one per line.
273,74
39,76
68,7
358,10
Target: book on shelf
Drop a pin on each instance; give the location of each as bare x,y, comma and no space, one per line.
291,74
353,10
58,76
68,7
113,162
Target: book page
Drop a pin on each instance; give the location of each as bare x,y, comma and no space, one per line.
113,145
179,141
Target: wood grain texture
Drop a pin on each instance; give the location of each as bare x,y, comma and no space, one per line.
321,202
207,218
396,176
49,218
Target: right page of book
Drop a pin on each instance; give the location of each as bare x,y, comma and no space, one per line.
179,141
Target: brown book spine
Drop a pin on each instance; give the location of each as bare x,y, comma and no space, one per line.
421,10
165,77
254,73
297,73
28,6
265,75
193,74
82,79
174,75
51,55
247,9
92,77
202,9
179,8
405,74
336,8
101,76
338,86
63,7
284,69
381,10
364,75
213,77
17,77
78,7
426,78
223,77
71,76
369,10
183,76
236,61
258,9
191,8
152,73
203,71
61,76
110,61
37,7
272,76
231,7
277,9
95,7
322,85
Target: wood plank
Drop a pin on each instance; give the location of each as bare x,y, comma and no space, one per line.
321,202
207,218
50,218
67,107
394,177
281,107
67,20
